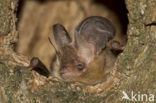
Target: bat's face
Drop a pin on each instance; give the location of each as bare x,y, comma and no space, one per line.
71,65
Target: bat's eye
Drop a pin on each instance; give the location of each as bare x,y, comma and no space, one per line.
80,66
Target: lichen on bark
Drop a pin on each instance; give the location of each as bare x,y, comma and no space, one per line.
5,16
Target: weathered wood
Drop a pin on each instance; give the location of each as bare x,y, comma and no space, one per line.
5,16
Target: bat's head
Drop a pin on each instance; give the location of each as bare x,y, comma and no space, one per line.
84,58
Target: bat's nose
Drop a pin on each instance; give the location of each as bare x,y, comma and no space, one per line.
64,70
66,73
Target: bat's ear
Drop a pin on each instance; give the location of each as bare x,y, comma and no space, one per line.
61,36
93,33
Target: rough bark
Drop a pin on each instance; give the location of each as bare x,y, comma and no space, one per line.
136,66
5,17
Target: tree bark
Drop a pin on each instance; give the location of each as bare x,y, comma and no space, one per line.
136,66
